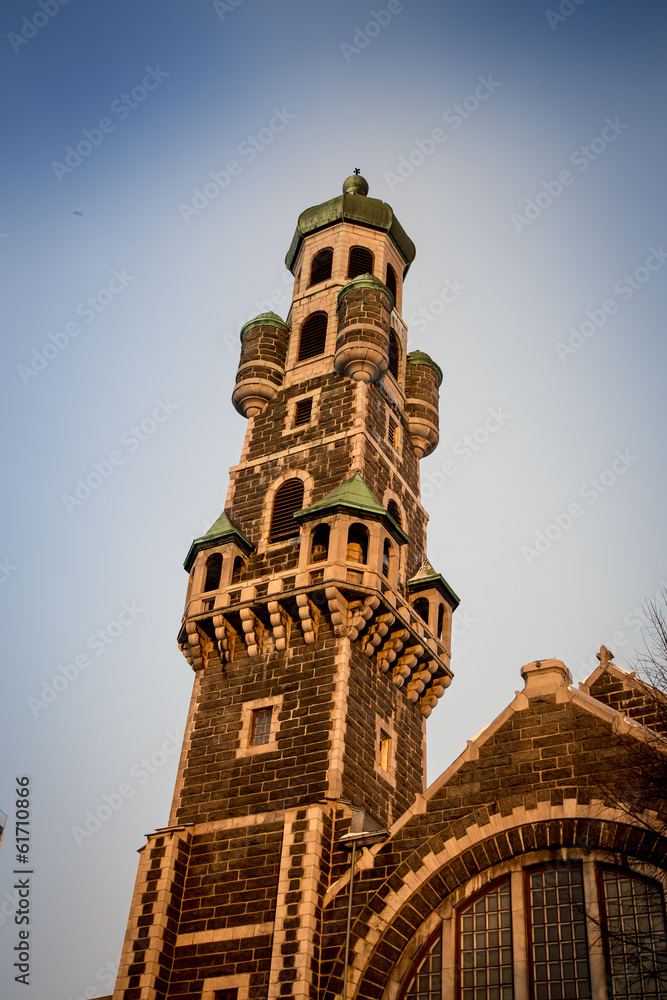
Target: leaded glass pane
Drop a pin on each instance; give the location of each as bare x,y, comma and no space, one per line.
426,983
485,946
559,950
634,936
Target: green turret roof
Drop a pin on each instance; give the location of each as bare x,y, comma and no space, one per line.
222,530
352,206
353,495
427,577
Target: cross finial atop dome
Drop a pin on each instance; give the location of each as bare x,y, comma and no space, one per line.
355,183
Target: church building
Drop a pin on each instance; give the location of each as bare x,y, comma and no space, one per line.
304,855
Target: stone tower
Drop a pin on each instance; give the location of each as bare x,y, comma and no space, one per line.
317,629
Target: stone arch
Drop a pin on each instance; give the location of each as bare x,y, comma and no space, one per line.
397,916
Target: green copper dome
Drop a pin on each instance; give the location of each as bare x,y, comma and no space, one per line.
352,206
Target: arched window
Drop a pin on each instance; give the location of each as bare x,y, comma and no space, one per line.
288,499
357,544
320,269
391,280
313,336
319,544
394,510
485,946
441,620
421,607
360,262
213,571
634,934
237,571
426,980
386,557
394,355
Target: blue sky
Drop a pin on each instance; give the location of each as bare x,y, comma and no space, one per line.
542,208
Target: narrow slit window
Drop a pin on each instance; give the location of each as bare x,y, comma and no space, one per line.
261,727
394,355
313,336
237,571
360,261
288,499
391,280
303,411
385,751
386,557
441,620
394,510
320,269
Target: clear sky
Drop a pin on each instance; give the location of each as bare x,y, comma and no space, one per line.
538,212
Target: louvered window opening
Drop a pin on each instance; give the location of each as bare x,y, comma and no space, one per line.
391,280
485,947
360,262
393,433
394,510
635,940
558,933
303,411
320,269
426,984
213,571
394,355
313,336
288,499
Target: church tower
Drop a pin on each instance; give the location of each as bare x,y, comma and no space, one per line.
317,630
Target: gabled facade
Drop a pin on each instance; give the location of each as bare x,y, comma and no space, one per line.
304,856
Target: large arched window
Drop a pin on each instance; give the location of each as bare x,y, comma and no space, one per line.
320,269
360,261
313,336
213,571
357,544
485,945
634,923
288,499
426,981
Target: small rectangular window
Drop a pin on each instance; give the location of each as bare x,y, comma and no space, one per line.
393,433
261,727
225,995
385,751
303,411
